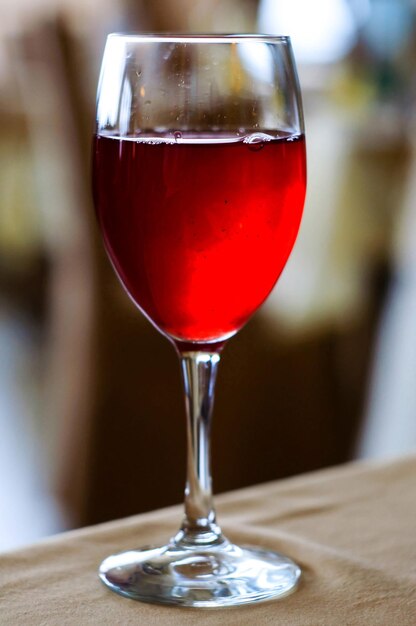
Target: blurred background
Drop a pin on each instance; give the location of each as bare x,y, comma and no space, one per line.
91,410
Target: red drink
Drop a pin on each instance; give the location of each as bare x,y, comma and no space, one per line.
199,232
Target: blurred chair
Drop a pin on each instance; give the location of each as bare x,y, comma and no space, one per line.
389,425
48,94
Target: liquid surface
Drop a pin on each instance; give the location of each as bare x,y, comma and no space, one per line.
199,232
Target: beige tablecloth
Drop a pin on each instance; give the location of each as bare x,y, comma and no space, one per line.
352,529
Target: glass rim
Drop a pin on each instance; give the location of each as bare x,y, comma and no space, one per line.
199,37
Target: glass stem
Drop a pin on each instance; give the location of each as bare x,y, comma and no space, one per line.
199,370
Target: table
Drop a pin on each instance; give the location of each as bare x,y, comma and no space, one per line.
351,528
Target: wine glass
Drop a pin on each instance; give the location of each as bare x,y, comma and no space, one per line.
199,184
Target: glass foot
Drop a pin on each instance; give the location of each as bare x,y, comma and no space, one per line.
224,575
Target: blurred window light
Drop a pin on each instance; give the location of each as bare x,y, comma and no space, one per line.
322,31
390,27
361,10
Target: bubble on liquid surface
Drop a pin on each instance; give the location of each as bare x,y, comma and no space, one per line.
156,141
256,141
257,138
178,135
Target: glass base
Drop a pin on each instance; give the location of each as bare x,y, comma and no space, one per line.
215,576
